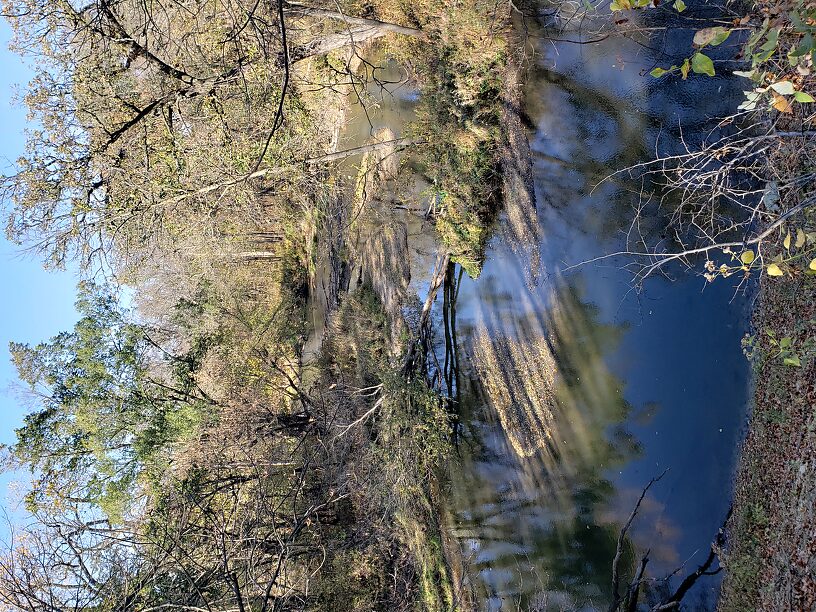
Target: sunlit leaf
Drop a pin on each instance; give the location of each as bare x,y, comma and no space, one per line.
780,103
774,270
793,360
702,64
800,238
803,97
684,69
783,87
787,241
747,257
748,74
679,5
751,99
812,264
711,36
659,72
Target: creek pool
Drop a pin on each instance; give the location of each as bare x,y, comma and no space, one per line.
574,390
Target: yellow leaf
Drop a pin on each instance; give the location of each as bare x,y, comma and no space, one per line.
780,103
786,241
774,270
800,238
747,257
684,69
812,264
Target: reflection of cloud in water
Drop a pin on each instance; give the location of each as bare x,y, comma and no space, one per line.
651,530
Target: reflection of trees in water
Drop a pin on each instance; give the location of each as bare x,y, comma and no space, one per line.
590,125
529,491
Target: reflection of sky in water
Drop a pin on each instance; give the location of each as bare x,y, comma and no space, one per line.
629,384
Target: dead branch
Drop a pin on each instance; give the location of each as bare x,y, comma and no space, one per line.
329,157
617,599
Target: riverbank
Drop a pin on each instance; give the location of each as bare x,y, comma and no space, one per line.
770,559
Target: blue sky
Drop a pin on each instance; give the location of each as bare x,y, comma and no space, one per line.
34,304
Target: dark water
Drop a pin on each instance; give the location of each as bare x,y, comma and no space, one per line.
576,390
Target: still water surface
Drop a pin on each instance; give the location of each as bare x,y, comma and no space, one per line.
576,390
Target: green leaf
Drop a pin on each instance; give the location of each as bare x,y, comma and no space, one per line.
721,37
785,342
659,72
756,36
711,36
772,41
803,97
768,47
796,20
747,257
783,87
679,5
702,64
792,361
774,270
684,69
620,5
805,46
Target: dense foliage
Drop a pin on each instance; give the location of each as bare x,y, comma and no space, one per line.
183,448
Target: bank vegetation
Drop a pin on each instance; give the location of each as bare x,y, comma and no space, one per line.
186,451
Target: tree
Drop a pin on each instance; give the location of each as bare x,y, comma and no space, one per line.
132,99
105,413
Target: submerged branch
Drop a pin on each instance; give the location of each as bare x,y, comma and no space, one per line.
617,599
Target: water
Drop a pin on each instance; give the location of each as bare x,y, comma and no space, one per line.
575,392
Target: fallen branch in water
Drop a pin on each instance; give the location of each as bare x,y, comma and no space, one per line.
616,597
673,602
629,600
438,278
385,26
358,30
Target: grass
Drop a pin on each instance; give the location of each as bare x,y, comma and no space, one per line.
461,72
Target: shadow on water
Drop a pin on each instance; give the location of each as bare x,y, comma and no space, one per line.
573,392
